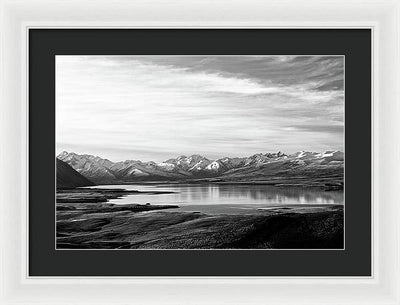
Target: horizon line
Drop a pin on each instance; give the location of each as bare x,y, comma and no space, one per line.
201,155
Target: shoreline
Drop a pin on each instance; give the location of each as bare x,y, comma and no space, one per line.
324,185
88,221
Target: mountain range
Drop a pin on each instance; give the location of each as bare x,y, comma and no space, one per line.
303,167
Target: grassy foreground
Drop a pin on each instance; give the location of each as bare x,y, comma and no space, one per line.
87,223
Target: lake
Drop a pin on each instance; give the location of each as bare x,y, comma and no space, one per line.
223,198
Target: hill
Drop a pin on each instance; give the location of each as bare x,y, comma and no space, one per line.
67,177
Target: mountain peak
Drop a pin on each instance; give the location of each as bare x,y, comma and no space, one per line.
101,170
65,153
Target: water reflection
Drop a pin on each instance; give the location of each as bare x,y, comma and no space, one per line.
212,194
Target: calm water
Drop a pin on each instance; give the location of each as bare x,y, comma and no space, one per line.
220,198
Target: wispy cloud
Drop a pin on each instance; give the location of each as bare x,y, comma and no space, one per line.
155,107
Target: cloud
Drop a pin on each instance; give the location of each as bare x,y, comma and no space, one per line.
155,106
330,129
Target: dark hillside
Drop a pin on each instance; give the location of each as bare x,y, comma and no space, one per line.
67,177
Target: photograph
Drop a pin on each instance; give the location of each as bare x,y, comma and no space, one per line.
199,152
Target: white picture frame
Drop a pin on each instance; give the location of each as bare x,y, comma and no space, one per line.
382,17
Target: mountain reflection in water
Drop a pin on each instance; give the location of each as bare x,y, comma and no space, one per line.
217,194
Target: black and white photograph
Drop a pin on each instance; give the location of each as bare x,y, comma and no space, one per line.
199,152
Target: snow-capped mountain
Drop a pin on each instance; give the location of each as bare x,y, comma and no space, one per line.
300,166
255,167
131,170
94,168
259,159
191,163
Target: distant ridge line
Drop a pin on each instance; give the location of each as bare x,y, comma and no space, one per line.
306,167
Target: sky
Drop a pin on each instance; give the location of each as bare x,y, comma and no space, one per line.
160,107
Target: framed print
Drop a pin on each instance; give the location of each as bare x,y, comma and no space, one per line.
204,156
157,151
212,103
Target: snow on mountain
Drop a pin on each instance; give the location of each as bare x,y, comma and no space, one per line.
199,166
131,170
260,159
167,166
214,166
332,155
194,162
304,155
101,170
92,167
